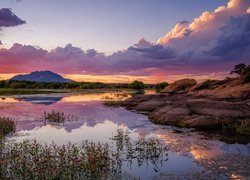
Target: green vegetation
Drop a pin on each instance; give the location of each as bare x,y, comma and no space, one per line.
9,91
160,86
241,127
89,160
243,70
54,116
137,85
7,126
113,103
57,117
204,85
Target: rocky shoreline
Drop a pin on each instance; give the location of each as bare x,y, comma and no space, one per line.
208,105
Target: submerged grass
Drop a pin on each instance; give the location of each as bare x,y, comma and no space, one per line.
88,160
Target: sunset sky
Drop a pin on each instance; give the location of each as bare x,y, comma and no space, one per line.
120,41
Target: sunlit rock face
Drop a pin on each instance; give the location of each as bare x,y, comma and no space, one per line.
203,106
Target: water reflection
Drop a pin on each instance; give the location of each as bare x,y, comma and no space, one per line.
46,100
190,153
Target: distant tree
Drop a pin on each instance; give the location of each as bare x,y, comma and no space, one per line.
243,70
137,85
160,86
240,69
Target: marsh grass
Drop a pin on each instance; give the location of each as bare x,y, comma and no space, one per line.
112,103
241,127
88,160
7,126
57,117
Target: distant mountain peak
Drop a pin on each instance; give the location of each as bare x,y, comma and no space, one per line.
41,76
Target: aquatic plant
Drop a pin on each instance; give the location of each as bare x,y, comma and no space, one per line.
7,125
57,117
54,116
112,103
88,160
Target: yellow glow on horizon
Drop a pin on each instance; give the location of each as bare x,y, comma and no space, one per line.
153,79
5,76
109,78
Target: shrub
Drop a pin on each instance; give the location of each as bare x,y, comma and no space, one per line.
137,85
247,78
160,86
241,127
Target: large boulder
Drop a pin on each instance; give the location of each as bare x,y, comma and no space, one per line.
152,105
181,85
220,109
226,89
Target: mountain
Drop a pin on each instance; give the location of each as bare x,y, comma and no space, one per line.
41,76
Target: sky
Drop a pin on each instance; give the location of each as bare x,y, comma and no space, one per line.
119,41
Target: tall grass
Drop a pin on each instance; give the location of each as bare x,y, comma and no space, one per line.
57,117
7,125
89,160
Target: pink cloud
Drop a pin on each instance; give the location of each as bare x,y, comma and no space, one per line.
212,43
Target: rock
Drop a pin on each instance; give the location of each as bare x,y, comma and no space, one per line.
133,101
170,115
182,85
221,109
223,102
152,105
230,89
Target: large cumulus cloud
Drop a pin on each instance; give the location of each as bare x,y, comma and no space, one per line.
212,42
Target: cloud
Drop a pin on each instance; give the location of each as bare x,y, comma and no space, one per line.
233,41
9,19
212,42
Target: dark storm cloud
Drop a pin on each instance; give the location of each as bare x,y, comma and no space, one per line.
234,39
155,52
9,19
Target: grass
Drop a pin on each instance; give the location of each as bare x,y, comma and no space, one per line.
113,103
57,117
89,160
241,127
7,126
10,91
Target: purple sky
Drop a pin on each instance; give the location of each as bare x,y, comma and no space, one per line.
148,40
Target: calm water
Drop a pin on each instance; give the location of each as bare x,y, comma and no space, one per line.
190,154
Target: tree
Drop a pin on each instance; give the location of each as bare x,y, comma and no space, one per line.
160,86
240,69
137,85
243,70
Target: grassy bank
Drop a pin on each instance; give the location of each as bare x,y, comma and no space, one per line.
10,91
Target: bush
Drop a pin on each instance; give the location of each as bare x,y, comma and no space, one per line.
7,125
160,86
137,85
241,127
247,78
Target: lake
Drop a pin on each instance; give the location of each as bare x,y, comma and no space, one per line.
190,154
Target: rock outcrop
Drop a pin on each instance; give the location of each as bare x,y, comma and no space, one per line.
221,102
180,86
